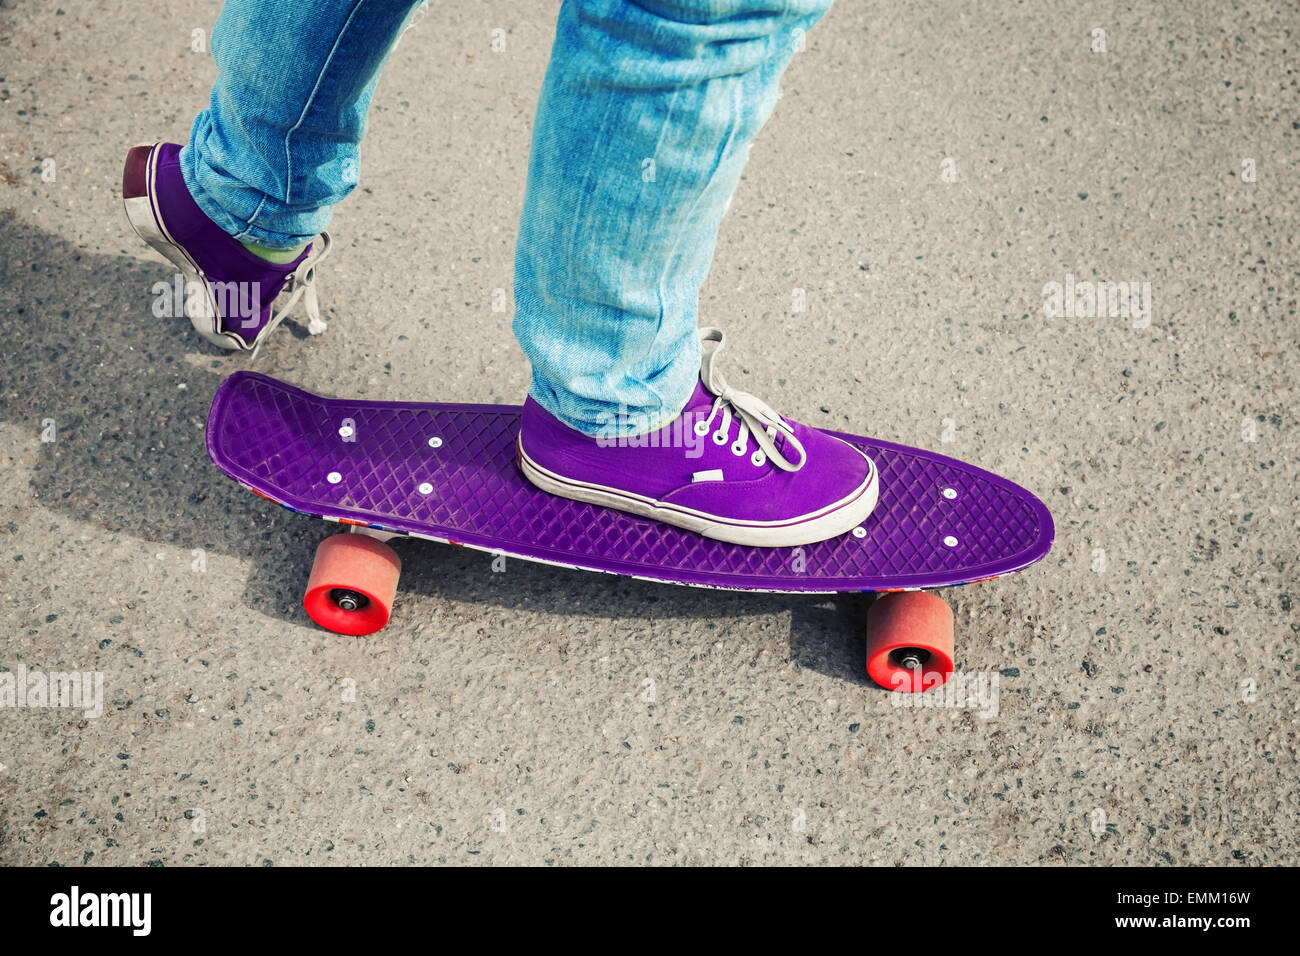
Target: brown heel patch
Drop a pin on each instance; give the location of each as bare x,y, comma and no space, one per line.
133,173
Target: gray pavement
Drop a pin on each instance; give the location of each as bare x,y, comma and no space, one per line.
930,169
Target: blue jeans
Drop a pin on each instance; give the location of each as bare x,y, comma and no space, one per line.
642,130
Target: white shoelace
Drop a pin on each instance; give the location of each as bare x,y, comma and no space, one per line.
302,284
757,419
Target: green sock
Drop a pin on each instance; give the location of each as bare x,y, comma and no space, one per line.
280,256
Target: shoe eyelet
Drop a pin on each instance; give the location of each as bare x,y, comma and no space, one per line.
758,458
701,428
719,438
737,449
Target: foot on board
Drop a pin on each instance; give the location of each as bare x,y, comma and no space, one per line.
729,468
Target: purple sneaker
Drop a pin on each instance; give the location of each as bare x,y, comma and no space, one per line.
728,467
225,290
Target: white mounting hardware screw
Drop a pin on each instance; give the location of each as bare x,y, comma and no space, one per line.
950,493
425,488
950,541
435,442
333,477
859,532
346,431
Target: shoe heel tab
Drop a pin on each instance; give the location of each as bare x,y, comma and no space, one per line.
134,172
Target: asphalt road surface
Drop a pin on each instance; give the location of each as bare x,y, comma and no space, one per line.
931,170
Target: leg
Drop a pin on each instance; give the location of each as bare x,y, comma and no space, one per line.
278,145
236,209
642,129
645,119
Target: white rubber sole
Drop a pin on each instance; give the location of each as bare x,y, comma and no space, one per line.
833,520
148,224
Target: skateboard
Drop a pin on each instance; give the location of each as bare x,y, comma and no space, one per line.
448,473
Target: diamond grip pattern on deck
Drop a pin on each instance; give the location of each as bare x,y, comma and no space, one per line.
286,443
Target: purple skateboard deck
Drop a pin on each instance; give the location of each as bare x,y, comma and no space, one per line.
448,473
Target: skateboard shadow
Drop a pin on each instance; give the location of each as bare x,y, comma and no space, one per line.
824,633
104,404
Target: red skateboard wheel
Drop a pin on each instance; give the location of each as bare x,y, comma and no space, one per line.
909,641
352,585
